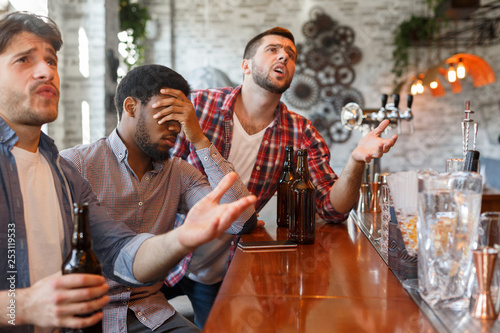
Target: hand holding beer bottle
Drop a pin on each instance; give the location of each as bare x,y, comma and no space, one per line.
82,259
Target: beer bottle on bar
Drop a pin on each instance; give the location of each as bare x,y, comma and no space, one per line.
302,224
82,259
284,186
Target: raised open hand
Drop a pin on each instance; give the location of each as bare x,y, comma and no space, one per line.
372,145
208,219
176,106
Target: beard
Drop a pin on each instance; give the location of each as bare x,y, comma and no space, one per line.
24,113
263,80
143,140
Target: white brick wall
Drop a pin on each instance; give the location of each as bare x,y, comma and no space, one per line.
233,22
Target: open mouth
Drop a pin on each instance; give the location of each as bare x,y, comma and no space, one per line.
47,91
280,69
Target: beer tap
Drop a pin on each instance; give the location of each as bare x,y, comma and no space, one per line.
395,115
408,115
352,116
382,112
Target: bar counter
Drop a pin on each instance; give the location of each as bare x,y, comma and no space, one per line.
338,284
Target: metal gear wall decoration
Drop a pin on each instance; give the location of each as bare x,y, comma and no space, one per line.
324,73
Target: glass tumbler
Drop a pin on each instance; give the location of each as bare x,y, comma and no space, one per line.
448,215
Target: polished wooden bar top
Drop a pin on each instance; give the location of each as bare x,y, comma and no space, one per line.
337,284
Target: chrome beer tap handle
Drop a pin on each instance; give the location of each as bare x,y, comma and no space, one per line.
408,115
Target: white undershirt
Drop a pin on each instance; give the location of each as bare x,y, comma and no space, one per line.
42,214
244,149
243,154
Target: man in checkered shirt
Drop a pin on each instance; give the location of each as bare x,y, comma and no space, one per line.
137,183
251,127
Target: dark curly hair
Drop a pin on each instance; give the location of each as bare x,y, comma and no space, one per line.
145,81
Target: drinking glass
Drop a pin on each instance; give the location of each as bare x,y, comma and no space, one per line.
448,215
454,165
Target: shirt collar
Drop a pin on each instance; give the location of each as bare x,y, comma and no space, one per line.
7,134
10,138
121,152
228,107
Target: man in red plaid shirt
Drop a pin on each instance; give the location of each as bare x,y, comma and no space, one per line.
250,126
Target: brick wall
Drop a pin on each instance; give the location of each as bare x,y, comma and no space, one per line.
220,43
183,39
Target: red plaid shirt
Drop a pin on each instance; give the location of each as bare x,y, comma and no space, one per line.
214,109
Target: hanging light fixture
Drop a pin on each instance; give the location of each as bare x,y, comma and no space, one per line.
420,85
460,69
433,84
414,89
452,74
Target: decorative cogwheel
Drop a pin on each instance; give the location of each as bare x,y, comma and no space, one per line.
345,75
345,35
310,30
327,40
303,92
324,74
326,110
327,76
316,59
347,96
330,92
353,55
338,133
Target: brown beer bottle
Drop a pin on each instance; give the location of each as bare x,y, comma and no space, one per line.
284,186
82,259
303,195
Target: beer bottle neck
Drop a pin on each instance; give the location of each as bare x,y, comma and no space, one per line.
81,234
288,165
302,167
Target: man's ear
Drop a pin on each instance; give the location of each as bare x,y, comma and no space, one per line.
246,66
130,106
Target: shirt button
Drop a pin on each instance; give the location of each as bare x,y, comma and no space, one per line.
124,302
120,156
213,155
139,313
257,168
266,142
128,288
147,178
140,203
205,158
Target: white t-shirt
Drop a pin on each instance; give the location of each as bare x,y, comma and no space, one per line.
243,154
244,149
42,214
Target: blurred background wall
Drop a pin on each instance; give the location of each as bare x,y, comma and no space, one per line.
204,40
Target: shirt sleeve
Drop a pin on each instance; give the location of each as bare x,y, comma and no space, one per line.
114,243
322,175
198,186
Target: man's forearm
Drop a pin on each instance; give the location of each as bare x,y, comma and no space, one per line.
10,308
345,191
157,255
